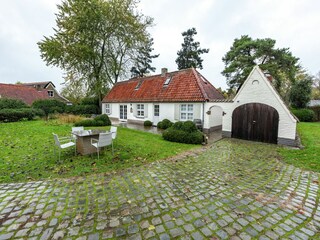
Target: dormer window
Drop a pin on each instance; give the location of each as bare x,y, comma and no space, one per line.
138,85
50,93
166,83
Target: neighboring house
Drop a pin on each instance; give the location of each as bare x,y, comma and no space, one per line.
29,92
49,88
177,96
256,113
313,103
16,91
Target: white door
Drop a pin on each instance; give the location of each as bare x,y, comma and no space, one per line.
123,112
156,114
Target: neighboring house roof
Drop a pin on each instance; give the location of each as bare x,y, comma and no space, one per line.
40,84
313,103
184,86
24,93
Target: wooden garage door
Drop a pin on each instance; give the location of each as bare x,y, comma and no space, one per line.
255,122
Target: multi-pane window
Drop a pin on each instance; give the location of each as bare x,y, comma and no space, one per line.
140,110
108,108
156,110
186,112
50,93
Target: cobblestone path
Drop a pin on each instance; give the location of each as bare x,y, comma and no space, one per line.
232,190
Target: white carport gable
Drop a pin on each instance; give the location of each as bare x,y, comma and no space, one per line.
257,89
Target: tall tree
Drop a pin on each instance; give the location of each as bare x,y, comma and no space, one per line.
189,55
74,88
142,62
246,52
97,39
316,86
300,92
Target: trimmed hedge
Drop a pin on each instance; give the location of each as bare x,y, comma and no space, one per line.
180,136
101,120
14,115
147,123
83,109
304,114
183,132
7,103
164,124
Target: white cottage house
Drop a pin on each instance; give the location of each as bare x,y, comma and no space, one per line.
177,96
256,113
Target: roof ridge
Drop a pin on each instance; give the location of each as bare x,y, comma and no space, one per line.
203,92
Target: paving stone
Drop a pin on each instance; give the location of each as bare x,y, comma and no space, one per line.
6,236
197,235
58,235
133,228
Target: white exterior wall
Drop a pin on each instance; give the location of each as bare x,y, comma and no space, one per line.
257,89
169,111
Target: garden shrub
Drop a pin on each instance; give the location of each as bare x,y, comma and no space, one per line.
101,120
304,114
147,123
14,115
164,124
316,110
181,136
83,109
183,132
85,123
49,106
104,119
12,103
189,126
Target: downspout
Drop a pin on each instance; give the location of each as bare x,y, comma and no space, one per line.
203,114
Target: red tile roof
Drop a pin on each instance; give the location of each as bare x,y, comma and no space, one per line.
185,86
24,93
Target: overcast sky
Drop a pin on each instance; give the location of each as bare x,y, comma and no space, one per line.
292,23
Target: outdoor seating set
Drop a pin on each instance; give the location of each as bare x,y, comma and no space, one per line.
86,141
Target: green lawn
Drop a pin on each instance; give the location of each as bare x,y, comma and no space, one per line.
309,157
26,152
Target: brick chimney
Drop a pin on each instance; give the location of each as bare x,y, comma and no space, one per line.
164,71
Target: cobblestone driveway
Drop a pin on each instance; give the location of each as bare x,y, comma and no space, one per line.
233,190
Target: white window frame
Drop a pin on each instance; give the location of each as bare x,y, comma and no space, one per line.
186,112
108,108
140,110
50,93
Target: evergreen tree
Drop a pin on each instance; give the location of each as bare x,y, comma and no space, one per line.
142,62
246,52
189,55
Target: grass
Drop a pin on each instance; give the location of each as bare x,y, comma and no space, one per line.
26,152
309,157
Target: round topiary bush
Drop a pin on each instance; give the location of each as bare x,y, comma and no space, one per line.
164,124
103,118
147,123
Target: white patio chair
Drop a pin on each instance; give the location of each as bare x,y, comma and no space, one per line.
113,130
63,142
76,129
105,139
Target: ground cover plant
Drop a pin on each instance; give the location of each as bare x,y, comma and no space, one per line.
308,157
27,152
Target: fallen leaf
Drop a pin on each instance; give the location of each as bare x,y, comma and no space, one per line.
151,227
